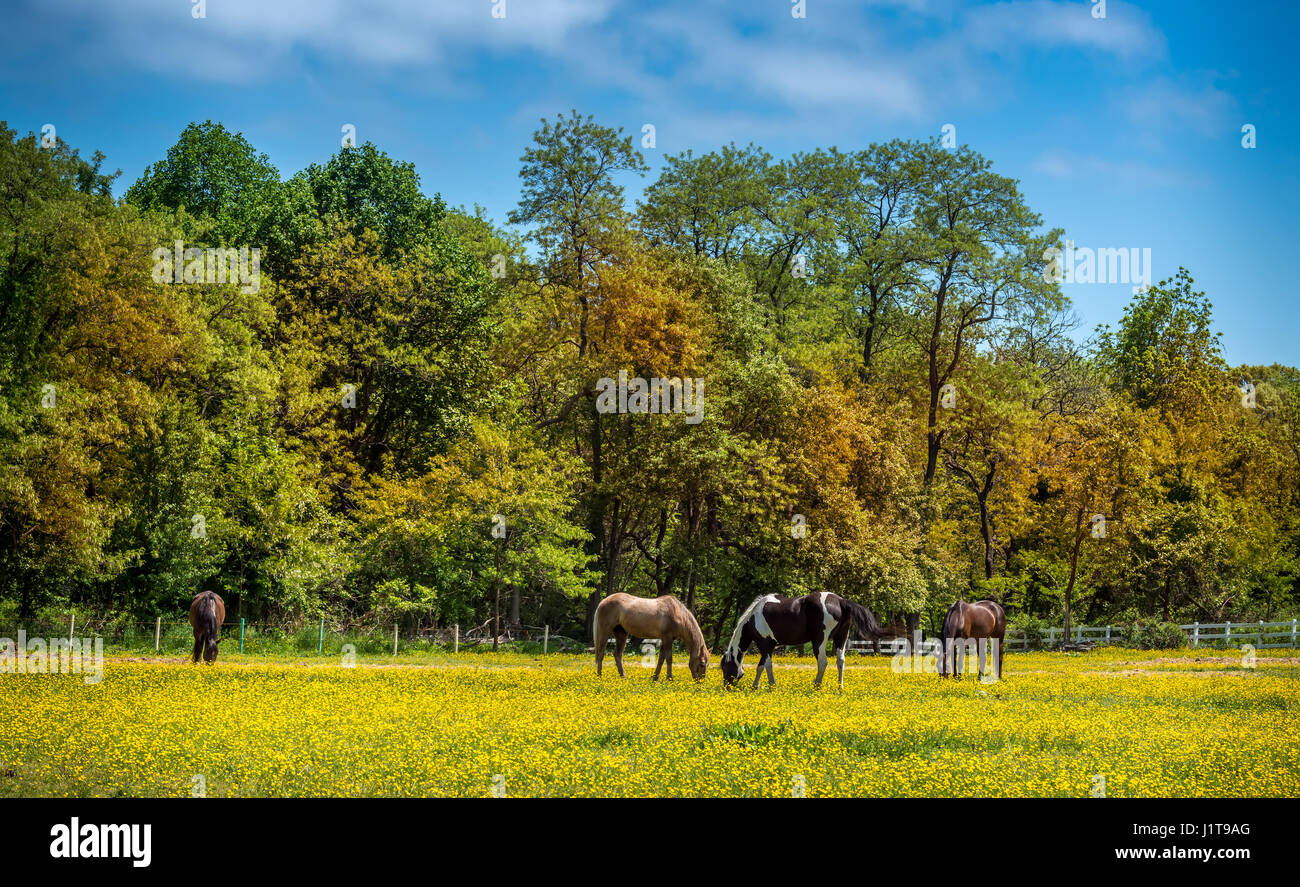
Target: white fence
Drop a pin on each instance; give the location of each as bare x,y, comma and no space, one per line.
888,646
1261,635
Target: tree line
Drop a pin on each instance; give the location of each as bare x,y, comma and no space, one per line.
399,419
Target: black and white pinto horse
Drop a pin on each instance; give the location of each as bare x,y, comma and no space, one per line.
772,621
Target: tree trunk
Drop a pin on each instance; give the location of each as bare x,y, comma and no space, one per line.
932,436
868,336
986,532
595,516
1074,569
496,604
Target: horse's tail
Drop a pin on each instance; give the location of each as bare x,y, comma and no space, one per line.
947,617
864,621
949,658
209,626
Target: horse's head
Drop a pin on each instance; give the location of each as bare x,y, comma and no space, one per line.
699,663
732,668
210,649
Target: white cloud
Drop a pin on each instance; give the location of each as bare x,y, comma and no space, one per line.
1126,31
883,61
1165,107
1065,164
247,40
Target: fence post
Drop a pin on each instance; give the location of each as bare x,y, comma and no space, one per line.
320,638
1051,637
1260,632
241,635
157,633
1293,632
72,629
546,639
1227,633
455,643
1078,632
1196,634
394,639
1107,634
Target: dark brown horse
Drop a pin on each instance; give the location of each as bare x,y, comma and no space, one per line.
207,612
966,622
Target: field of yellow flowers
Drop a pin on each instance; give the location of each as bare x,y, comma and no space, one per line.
1117,722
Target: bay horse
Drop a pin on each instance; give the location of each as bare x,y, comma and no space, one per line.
665,618
772,621
978,621
207,612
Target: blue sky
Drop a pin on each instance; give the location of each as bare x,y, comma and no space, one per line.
1124,130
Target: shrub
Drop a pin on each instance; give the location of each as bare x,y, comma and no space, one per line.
1033,629
1149,634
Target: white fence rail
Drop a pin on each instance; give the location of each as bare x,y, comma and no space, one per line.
1261,635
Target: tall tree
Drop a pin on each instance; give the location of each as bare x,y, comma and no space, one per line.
574,206
980,260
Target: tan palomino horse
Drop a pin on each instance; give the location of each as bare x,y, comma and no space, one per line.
666,618
207,612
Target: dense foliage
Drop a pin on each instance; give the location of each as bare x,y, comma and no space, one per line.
399,419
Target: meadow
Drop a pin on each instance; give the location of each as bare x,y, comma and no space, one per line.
1114,721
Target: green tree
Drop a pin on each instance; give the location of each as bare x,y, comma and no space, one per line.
214,173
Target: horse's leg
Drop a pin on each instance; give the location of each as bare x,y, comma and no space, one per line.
666,645
821,662
1000,651
981,651
764,660
602,638
620,641
771,678
198,650
841,639
659,660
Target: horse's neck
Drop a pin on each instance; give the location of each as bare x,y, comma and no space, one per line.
688,632
742,641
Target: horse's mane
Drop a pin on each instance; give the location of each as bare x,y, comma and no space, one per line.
692,624
734,646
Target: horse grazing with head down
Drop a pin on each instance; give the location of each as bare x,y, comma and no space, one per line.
965,622
207,612
665,618
772,621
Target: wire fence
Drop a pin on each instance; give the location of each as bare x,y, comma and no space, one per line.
175,638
